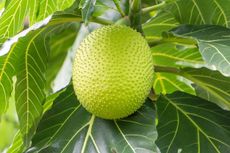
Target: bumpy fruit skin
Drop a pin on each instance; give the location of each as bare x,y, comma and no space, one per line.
113,72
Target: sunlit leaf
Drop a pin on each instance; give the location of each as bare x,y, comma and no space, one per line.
12,19
46,8
30,57
191,125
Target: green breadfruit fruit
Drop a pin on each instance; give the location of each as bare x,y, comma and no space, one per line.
113,72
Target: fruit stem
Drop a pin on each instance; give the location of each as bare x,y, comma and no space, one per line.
154,7
135,15
116,2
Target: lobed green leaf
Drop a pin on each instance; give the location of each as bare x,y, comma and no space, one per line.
191,124
68,127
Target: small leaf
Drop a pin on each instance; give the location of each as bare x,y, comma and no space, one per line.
68,127
191,125
213,42
210,85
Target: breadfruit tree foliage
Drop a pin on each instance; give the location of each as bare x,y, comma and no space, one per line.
187,110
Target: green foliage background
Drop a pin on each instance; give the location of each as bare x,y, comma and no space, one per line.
187,111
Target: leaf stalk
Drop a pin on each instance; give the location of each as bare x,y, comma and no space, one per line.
154,7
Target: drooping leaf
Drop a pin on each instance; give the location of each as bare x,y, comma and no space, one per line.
30,85
31,57
190,124
201,12
68,127
210,85
9,63
213,42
